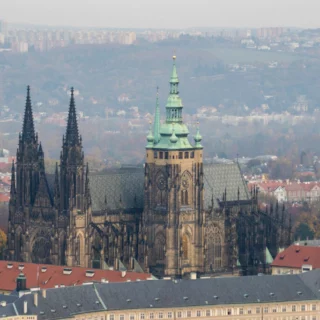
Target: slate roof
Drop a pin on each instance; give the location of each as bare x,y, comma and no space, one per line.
121,188
170,294
127,184
8,298
219,177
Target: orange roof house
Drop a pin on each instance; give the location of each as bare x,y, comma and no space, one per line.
296,259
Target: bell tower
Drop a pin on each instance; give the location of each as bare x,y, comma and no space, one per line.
174,195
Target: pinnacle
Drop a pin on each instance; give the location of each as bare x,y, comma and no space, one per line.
28,133
72,134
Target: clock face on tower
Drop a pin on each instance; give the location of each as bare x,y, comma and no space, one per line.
161,183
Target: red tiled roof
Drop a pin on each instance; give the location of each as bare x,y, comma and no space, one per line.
54,275
295,256
4,197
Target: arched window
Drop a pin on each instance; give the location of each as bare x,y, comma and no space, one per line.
79,250
18,245
185,246
160,246
214,249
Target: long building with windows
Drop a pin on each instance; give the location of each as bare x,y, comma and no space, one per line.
285,297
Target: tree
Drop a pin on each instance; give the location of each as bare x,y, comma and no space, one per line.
3,242
281,169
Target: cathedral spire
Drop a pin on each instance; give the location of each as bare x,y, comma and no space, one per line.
41,157
174,103
156,128
13,181
56,184
28,133
72,134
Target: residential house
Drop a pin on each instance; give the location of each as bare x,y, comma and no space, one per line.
296,259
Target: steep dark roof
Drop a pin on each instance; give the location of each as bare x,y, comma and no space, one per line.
219,178
171,294
117,189
127,184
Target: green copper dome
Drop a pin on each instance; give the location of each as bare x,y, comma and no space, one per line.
173,133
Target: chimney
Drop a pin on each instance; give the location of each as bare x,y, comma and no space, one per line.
21,282
25,307
35,298
44,293
193,275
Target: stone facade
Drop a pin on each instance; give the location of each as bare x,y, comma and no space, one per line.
173,217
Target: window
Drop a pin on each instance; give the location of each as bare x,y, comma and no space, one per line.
169,315
184,197
151,316
192,154
265,310
160,315
166,155
142,317
179,314
155,154
188,314
198,313
229,312
294,308
274,310
249,311
314,307
241,311
208,313
111,317
161,155
186,155
257,310
180,155
121,317
303,308
132,317
284,309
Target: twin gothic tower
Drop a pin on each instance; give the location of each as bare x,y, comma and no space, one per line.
49,225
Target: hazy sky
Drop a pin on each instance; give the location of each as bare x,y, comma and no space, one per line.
163,13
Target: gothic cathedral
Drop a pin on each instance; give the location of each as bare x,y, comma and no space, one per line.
174,216
49,226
